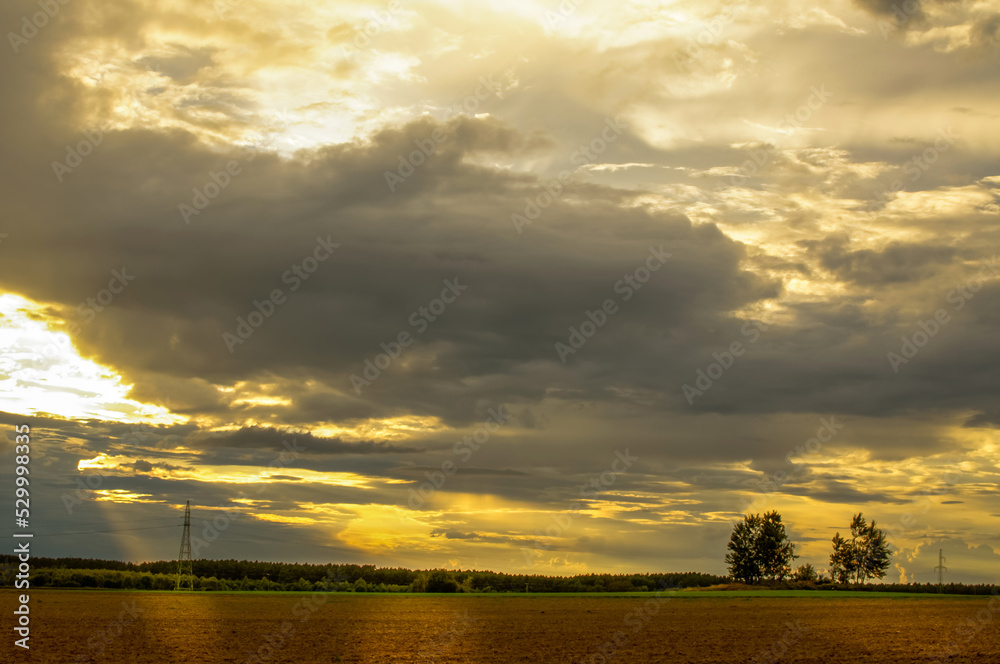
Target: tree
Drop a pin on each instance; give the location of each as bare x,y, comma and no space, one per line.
805,573
865,556
776,552
841,560
871,550
742,559
759,549
441,582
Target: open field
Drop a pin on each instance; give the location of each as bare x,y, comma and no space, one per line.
143,627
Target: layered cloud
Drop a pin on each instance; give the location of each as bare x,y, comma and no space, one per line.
397,283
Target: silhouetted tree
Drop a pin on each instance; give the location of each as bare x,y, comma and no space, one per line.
441,582
805,573
759,549
865,556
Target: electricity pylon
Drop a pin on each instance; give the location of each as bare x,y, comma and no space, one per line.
940,569
185,569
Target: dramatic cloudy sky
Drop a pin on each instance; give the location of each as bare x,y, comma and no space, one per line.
804,185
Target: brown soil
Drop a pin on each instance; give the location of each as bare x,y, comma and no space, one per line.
135,627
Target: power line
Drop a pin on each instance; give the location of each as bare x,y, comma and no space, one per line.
114,530
117,522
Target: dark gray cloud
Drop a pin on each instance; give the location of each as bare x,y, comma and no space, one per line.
896,262
258,437
843,288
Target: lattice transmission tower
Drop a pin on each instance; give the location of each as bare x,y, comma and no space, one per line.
940,569
185,569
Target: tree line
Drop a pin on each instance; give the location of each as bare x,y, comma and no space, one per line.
258,575
759,550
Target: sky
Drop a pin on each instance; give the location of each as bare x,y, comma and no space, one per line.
535,287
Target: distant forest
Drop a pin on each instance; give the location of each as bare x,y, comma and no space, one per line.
256,575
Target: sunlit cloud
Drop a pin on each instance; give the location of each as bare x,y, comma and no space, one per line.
42,373
788,157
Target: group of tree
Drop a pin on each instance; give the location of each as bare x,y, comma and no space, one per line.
258,575
759,550
864,556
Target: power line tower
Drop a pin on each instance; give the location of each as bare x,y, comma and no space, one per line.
940,569
185,569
